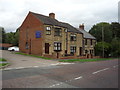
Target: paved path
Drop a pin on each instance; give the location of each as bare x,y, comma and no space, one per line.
19,61
102,74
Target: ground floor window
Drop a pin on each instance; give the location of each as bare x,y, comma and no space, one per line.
57,46
91,51
26,45
86,51
72,49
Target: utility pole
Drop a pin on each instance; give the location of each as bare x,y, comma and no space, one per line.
103,40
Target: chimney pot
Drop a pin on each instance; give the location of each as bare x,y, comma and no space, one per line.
52,15
81,26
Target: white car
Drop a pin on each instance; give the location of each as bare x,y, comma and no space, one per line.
14,48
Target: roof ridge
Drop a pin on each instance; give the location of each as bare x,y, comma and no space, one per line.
47,20
86,34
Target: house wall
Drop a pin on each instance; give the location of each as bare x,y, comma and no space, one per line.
89,47
65,44
27,34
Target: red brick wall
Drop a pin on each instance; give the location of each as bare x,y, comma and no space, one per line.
32,24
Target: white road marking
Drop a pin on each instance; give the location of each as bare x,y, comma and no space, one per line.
35,66
100,70
56,84
52,86
62,63
65,81
8,69
20,68
78,78
115,66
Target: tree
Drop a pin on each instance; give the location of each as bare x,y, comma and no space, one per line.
12,38
16,38
2,35
115,49
96,31
99,49
115,28
111,38
9,38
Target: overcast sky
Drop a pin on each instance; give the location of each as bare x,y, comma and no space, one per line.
75,12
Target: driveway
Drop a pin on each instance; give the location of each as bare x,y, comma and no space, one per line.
19,61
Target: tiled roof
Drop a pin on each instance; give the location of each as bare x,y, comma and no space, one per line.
86,34
50,21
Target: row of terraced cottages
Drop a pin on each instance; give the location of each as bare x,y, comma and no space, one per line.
45,36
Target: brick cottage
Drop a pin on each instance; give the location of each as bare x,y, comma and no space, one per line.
45,36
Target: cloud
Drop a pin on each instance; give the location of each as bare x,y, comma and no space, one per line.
75,12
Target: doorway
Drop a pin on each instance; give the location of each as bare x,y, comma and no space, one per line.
47,48
80,51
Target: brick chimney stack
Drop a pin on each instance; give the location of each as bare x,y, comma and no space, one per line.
81,26
52,15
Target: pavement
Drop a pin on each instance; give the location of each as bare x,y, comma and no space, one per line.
21,61
102,74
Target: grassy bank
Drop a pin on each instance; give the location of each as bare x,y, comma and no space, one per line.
32,55
3,64
86,60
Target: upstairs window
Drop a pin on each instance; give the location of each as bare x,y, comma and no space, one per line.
91,42
58,32
72,49
48,30
57,46
73,37
85,41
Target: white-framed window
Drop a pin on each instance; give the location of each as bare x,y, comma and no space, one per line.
58,32
48,30
57,46
72,49
73,37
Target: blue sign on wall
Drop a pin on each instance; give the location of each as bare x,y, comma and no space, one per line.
38,34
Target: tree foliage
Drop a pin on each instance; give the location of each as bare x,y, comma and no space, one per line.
2,35
96,31
99,49
11,37
111,33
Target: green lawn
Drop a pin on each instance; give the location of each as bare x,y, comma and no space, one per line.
86,60
33,55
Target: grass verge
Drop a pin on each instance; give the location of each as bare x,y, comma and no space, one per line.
86,60
33,55
2,59
3,64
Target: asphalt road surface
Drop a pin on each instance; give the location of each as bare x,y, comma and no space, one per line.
101,74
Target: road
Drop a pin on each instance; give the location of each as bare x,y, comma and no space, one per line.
101,74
